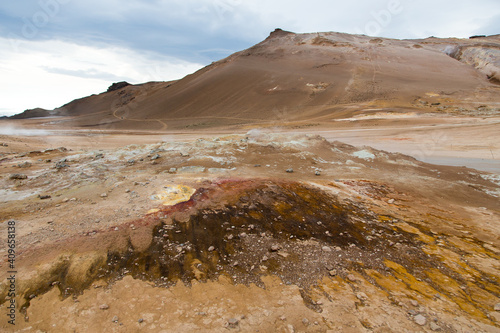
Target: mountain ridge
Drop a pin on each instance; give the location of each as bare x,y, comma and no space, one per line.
295,77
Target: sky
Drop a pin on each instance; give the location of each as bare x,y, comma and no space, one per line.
54,51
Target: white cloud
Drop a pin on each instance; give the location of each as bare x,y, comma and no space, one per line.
49,74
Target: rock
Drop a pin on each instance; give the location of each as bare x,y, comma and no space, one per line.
230,237
283,254
184,154
243,235
333,272
275,248
103,306
265,258
44,197
115,319
306,322
127,191
140,321
157,156
104,195
317,173
24,165
413,302
289,170
18,176
61,164
211,248
132,161
497,307
390,201
172,170
99,156
361,296
233,323
435,327
117,86
326,249
351,278
420,320
65,200
257,165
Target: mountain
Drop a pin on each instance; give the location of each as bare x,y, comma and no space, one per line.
303,77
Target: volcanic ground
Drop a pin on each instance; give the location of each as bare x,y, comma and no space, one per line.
255,232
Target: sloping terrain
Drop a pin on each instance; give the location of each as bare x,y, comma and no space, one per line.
267,232
304,77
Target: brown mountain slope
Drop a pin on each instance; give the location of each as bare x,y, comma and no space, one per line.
295,77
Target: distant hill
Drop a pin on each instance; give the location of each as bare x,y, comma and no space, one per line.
294,77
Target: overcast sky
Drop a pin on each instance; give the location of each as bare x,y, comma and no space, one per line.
53,51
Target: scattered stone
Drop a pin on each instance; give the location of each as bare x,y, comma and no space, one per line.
412,312
24,165
72,199
420,320
61,164
115,319
435,327
306,322
497,307
413,302
18,176
251,227
333,272
127,191
283,254
140,321
99,156
4,145
211,248
183,154
257,165
289,170
104,195
361,296
233,323
103,306
243,235
132,161
390,201
157,156
265,258
275,248
172,170
326,249
230,237
44,197
351,278
317,173
65,200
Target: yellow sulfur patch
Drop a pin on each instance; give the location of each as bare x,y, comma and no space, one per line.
175,194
